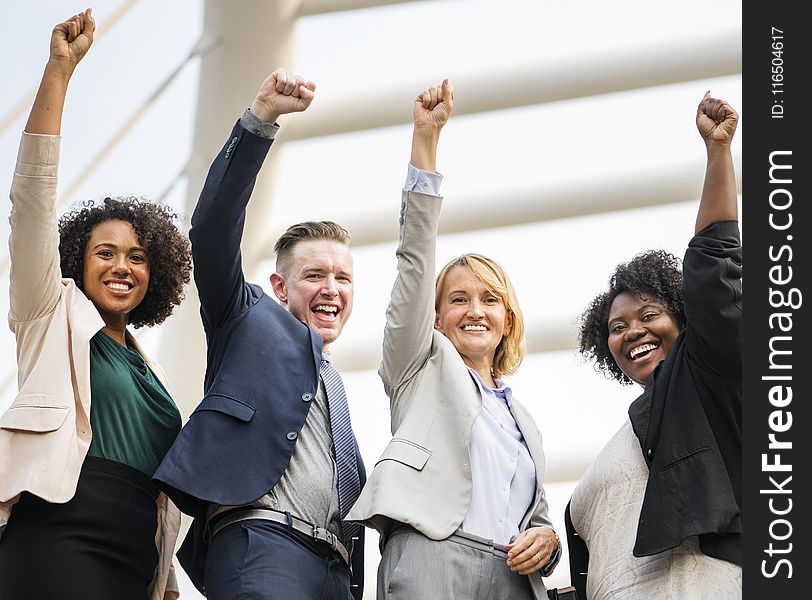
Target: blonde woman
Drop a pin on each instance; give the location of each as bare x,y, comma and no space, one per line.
457,495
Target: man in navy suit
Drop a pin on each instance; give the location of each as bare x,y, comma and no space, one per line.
262,462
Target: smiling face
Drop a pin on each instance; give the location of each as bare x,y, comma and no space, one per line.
115,275
641,334
316,286
473,317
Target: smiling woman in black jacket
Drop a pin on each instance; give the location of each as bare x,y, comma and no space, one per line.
658,514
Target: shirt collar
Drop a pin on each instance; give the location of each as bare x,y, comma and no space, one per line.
503,391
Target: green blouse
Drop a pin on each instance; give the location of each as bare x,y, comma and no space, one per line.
133,418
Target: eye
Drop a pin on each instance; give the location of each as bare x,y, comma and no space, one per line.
104,253
458,300
313,277
138,258
617,328
491,300
649,316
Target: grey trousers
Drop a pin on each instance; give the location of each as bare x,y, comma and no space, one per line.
460,567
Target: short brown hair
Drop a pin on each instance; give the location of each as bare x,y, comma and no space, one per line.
301,232
510,351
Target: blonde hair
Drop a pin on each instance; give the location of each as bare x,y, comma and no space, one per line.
511,350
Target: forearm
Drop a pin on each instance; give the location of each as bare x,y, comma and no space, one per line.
424,148
46,113
719,199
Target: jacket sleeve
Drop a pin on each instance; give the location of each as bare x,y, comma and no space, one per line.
712,291
410,316
218,222
35,274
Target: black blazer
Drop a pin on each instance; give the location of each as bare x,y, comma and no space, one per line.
262,366
688,419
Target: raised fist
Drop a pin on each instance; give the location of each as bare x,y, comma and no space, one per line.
716,120
281,93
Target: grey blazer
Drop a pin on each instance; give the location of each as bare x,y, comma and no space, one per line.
423,477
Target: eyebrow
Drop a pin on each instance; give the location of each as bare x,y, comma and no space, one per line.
112,245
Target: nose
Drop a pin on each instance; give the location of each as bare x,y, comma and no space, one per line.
635,331
121,265
475,309
329,289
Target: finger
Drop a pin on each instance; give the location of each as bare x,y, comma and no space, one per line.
299,82
425,99
433,91
90,23
700,110
447,93
281,79
522,543
290,84
305,93
72,28
310,86
530,562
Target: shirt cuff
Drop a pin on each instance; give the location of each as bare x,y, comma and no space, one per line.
253,124
422,181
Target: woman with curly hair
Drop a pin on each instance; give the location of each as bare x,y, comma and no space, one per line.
79,515
658,514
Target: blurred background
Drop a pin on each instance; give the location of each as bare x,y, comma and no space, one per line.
572,147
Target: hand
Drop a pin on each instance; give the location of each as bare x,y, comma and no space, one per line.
281,93
531,550
433,107
716,120
71,40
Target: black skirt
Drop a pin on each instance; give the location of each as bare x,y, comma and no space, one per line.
100,545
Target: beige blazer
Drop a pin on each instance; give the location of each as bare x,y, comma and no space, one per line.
423,477
45,432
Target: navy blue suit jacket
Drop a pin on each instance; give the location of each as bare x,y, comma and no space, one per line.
262,366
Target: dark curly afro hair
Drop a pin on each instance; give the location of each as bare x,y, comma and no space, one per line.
168,250
654,273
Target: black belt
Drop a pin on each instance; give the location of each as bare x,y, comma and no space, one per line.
218,522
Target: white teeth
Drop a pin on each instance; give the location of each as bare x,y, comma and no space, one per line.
640,349
326,308
474,328
121,287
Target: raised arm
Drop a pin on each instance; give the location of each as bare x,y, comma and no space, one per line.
219,217
70,41
712,267
34,241
410,316
717,122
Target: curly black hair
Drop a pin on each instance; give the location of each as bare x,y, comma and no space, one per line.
654,273
168,250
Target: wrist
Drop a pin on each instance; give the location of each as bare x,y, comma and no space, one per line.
56,67
263,112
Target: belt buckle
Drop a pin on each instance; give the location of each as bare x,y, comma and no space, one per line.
320,533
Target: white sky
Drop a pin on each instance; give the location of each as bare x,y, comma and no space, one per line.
556,266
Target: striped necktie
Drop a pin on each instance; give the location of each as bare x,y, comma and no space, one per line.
349,485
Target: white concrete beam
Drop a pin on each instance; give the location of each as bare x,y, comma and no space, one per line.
579,75
319,7
621,191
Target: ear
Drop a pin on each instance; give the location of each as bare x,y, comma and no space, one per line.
508,323
279,289
437,322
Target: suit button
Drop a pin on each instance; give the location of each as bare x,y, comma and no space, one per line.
292,435
650,453
307,397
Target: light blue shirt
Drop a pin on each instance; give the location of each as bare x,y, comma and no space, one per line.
502,470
